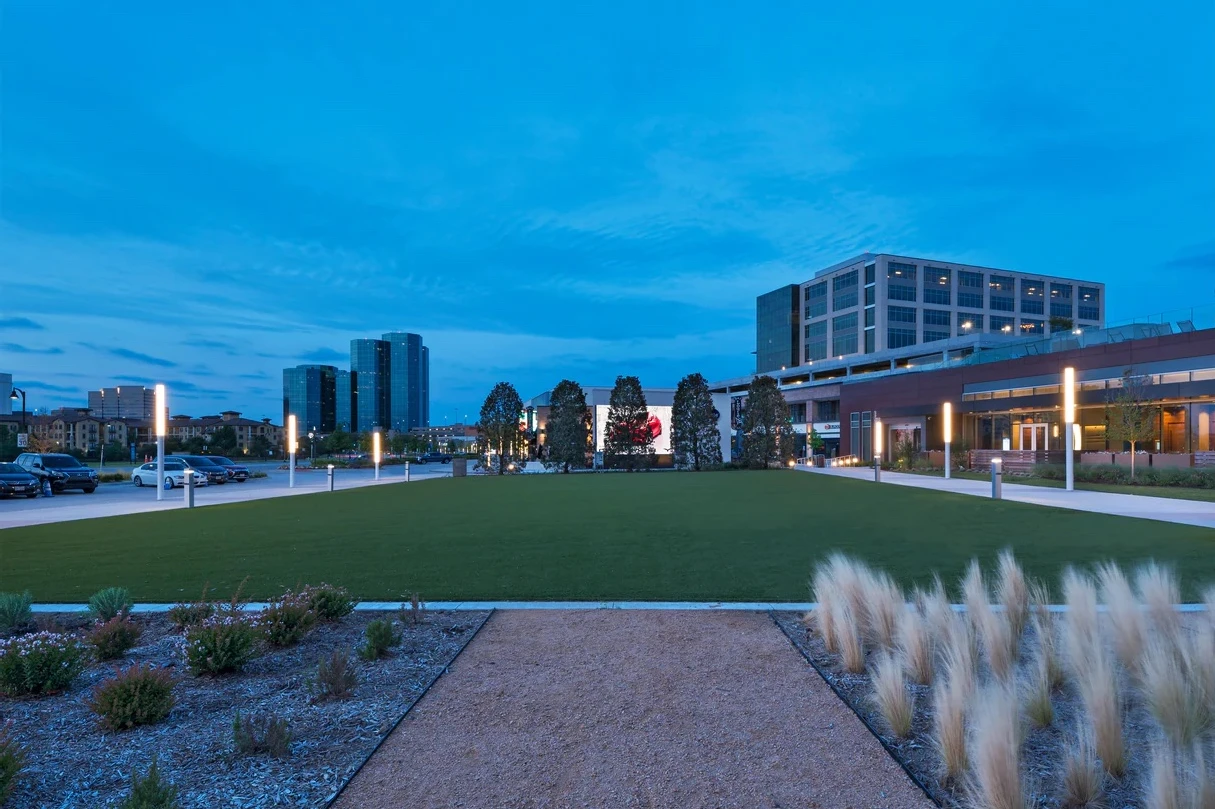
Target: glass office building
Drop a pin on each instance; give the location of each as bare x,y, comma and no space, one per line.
776,324
346,397
370,363
309,393
408,381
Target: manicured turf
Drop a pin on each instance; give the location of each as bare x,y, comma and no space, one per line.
660,536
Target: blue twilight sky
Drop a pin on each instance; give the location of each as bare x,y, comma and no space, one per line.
205,195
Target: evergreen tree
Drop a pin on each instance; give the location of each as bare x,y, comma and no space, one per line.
500,421
150,792
767,426
694,434
568,433
629,439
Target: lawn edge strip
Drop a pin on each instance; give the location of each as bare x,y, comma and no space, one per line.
889,750
408,708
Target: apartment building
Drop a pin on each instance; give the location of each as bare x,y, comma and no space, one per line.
126,402
876,302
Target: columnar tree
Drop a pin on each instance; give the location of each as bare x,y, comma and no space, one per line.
1129,415
568,433
767,426
500,421
694,434
629,439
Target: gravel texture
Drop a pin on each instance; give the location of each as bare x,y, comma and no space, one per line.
613,708
1043,748
73,763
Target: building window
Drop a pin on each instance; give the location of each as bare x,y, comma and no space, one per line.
844,322
900,314
1088,312
844,300
970,324
899,292
816,346
1002,303
843,344
870,273
1001,325
816,300
1031,327
869,316
936,317
897,271
845,281
938,297
1033,295
827,410
937,285
870,294
869,340
933,336
797,413
970,280
1060,292
1089,307
844,287
1061,309
970,300
898,338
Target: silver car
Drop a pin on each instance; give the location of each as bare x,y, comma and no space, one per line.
175,475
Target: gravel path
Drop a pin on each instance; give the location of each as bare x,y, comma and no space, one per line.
546,710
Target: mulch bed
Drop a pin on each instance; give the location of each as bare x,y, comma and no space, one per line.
1042,751
71,762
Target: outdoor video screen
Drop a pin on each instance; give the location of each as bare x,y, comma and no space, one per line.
660,427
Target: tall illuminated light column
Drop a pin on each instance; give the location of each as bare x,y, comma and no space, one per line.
877,450
160,442
948,436
1069,420
292,446
375,452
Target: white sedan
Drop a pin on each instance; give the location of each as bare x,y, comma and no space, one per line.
175,475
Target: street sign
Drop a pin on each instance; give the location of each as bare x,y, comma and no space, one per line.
23,440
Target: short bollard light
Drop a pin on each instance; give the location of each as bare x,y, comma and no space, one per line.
877,450
375,452
330,470
407,471
188,489
997,478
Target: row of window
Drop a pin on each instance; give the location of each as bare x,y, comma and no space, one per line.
1174,378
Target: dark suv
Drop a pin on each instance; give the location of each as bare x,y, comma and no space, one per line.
215,473
236,471
64,471
435,457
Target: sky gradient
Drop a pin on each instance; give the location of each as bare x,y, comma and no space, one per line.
205,196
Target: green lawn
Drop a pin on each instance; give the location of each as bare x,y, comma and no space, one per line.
662,536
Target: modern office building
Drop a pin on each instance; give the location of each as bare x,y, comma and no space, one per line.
126,402
6,390
408,381
370,362
346,397
877,302
310,394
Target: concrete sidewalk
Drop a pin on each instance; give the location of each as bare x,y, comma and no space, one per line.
1166,509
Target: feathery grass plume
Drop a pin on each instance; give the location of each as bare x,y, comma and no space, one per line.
999,645
974,593
848,635
1080,626
1201,786
1159,591
1130,630
1098,686
1208,598
885,605
1083,784
915,647
1173,700
1037,688
1199,656
849,576
950,696
825,594
1044,631
890,693
995,750
1012,590
1163,791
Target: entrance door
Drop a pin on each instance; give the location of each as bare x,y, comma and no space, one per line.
1033,437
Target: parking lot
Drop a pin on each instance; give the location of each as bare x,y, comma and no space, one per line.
112,499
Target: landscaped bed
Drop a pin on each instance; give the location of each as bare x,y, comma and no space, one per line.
71,761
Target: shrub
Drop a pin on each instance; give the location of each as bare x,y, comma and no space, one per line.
185,616
140,695
109,603
890,694
113,638
12,758
416,612
380,637
40,663
15,611
335,679
330,603
222,643
1083,782
150,792
286,620
1038,705
995,751
263,734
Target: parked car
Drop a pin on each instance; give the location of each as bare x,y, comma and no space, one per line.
175,474
434,457
64,471
215,473
236,471
15,480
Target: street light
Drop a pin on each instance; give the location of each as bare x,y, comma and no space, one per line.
1069,419
375,452
13,396
948,435
877,450
312,446
160,443
292,446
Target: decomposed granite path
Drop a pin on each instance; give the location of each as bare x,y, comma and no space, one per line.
614,708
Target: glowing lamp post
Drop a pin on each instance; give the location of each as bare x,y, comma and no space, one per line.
948,435
292,446
375,452
160,442
877,450
1069,421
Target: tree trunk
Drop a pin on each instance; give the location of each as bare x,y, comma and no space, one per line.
501,459
1132,461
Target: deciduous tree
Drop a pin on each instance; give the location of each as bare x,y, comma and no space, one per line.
224,441
568,434
694,434
1129,415
767,426
500,421
629,438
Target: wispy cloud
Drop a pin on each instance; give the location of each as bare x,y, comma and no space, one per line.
20,323
17,348
325,355
134,356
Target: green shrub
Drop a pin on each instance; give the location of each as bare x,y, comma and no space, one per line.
1184,477
335,679
266,734
113,477
15,611
40,663
222,643
185,615
11,761
286,620
139,695
415,613
330,603
380,637
110,603
150,792
114,637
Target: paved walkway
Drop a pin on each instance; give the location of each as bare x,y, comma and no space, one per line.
1167,509
610,708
